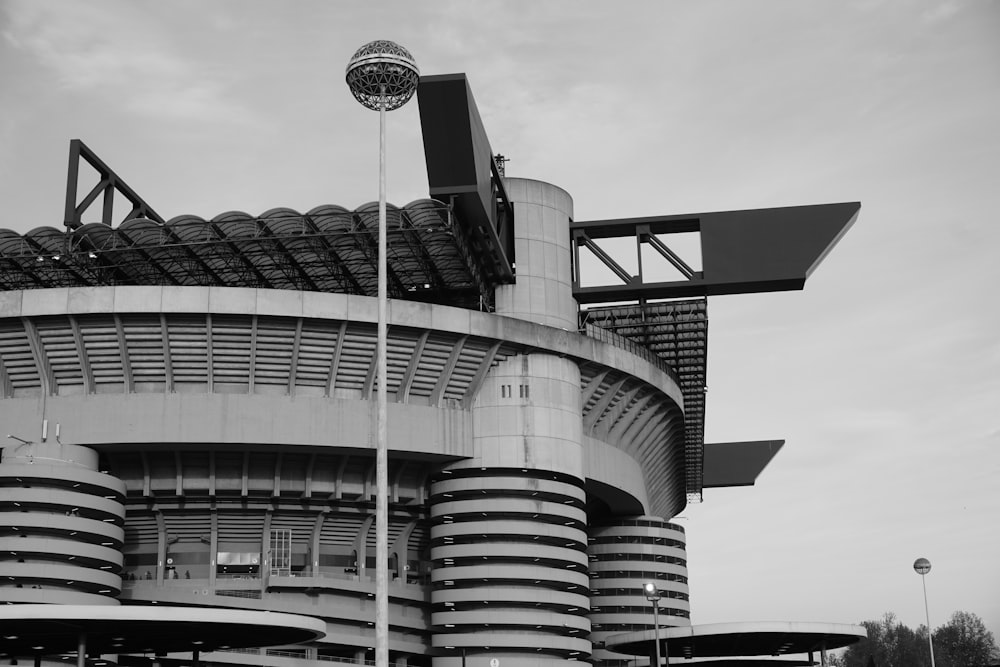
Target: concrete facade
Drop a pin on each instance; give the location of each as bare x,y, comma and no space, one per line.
532,467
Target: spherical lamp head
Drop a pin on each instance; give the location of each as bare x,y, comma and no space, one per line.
652,592
382,73
922,566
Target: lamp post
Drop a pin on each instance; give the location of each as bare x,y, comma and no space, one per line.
653,595
922,566
382,76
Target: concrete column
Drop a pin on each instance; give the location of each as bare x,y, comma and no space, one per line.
625,553
509,524
543,292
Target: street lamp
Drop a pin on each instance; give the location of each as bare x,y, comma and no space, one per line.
922,566
382,76
653,595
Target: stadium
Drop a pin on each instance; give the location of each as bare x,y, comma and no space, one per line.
213,383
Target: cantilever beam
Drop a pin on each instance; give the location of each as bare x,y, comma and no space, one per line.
108,184
737,463
757,250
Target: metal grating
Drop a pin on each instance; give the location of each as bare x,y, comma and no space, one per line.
328,249
677,332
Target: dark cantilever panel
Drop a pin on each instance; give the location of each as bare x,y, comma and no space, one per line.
737,463
757,250
461,170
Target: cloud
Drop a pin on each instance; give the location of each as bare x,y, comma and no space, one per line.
120,53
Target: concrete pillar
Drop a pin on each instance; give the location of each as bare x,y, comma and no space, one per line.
626,553
509,525
543,292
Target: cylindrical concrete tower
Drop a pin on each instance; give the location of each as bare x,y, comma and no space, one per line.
508,533
61,526
625,554
543,292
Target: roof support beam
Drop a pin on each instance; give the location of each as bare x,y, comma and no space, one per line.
81,353
403,393
446,372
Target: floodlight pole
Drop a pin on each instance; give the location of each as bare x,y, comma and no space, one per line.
382,442
922,566
382,76
653,595
656,630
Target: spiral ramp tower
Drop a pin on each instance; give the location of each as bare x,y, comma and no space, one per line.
625,554
61,526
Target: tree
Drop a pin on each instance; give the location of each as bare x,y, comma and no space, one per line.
889,644
964,641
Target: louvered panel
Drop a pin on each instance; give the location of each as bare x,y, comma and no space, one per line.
140,530
188,526
275,339
437,349
465,368
231,349
620,406
399,350
395,528
57,340
240,527
420,538
340,529
602,389
188,349
316,349
144,342
17,358
299,523
100,339
356,358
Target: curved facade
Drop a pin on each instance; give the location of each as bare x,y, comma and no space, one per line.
531,466
61,526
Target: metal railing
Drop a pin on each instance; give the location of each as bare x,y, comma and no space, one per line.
641,351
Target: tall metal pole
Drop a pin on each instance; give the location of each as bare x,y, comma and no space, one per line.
656,630
382,76
922,566
927,614
382,444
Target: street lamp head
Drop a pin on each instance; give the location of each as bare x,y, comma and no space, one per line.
922,566
652,592
382,73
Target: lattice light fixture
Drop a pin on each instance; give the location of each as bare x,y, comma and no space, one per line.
382,73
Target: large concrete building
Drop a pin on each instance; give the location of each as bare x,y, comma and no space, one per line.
215,381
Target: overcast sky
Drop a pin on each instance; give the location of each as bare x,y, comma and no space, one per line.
883,375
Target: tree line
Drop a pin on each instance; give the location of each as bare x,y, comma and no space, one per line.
963,641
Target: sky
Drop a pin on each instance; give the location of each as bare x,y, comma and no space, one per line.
883,375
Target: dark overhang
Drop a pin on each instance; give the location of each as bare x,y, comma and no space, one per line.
757,250
737,463
759,638
53,629
461,169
